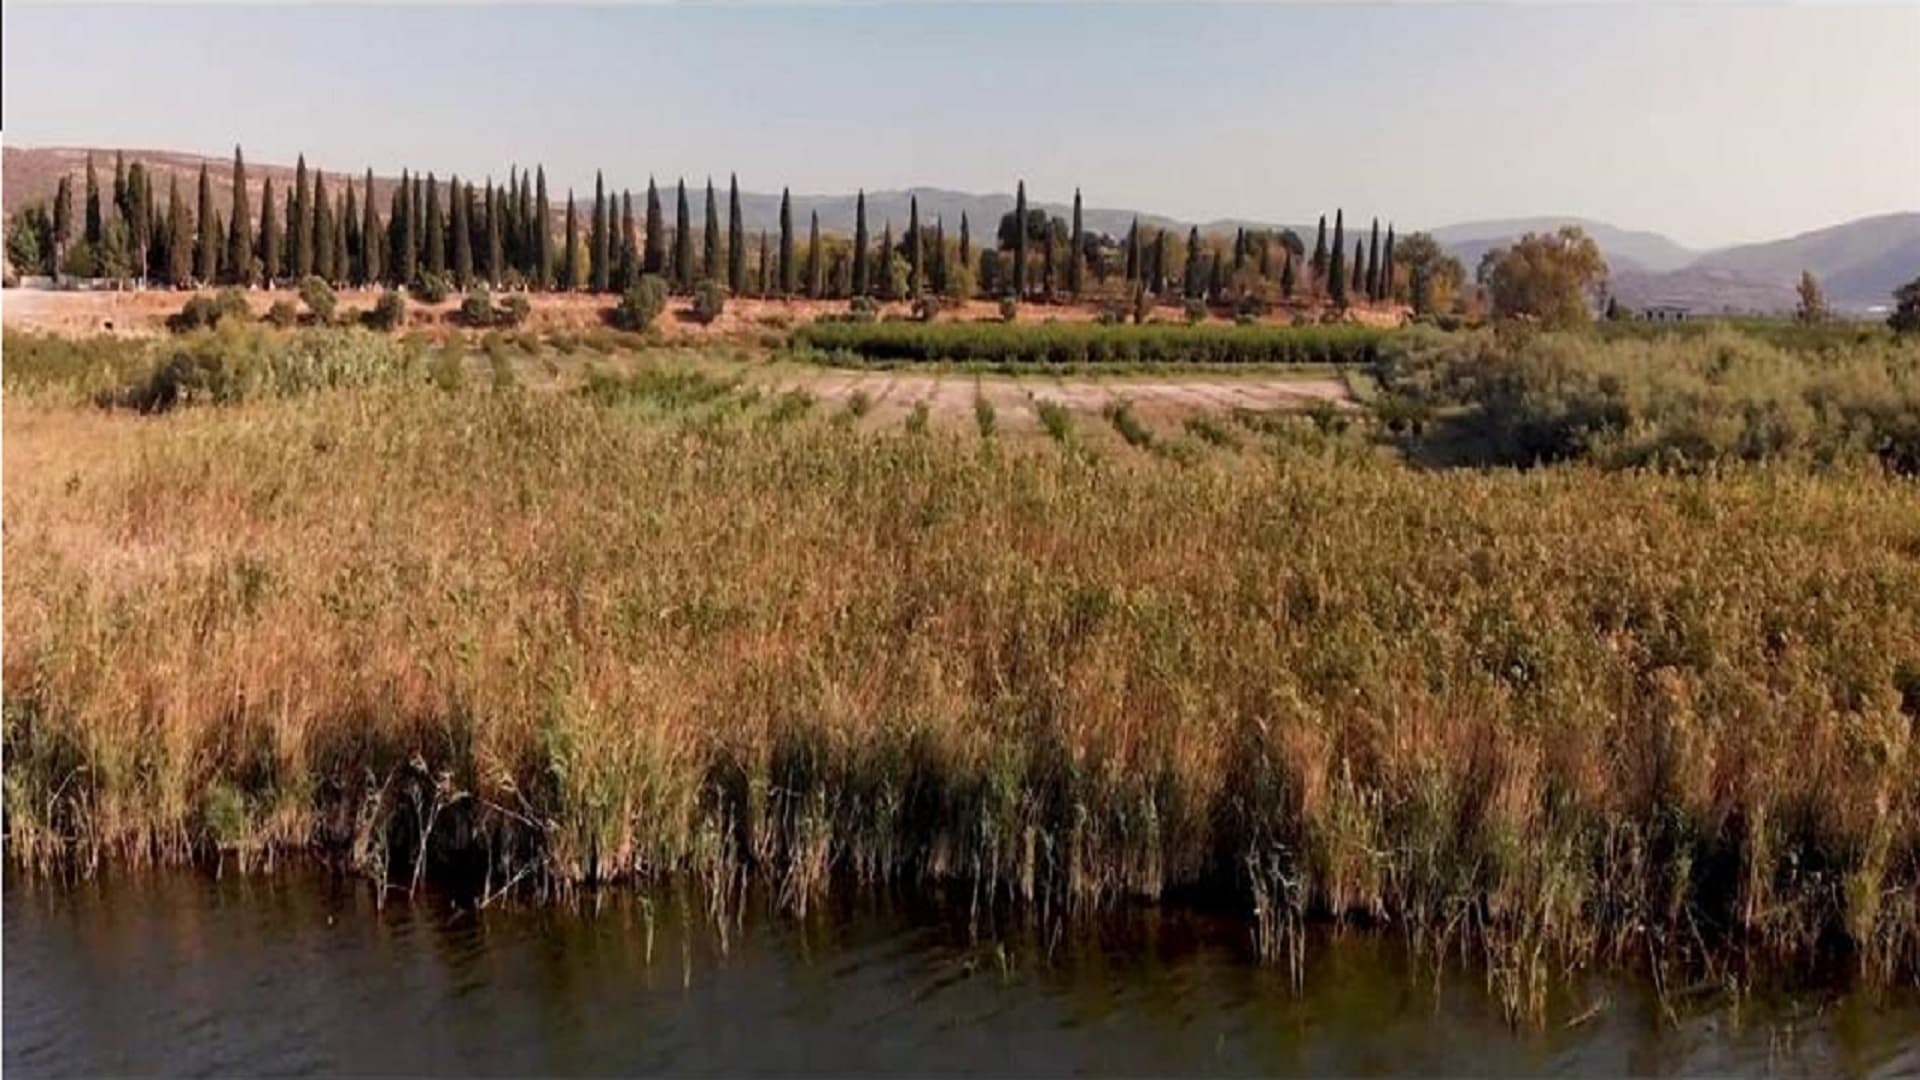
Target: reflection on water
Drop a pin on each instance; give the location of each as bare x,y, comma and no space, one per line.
297,972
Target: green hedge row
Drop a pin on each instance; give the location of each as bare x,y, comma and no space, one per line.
1091,343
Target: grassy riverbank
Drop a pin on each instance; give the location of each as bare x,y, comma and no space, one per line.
1565,714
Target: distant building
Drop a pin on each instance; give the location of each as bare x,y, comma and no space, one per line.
1665,313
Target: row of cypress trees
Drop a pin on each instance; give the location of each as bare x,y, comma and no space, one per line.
462,235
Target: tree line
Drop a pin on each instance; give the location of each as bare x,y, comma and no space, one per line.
453,234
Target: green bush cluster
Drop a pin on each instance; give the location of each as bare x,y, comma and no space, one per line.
388,312
1088,343
241,363
641,305
203,312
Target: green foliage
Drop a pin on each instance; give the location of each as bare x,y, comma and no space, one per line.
1088,343
283,314
1009,309
513,311
709,300
30,240
449,368
1120,414
318,298
926,308
1055,419
237,362
1906,309
476,310
1545,277
984,416
202,311
642,304
433,287
389,312
917,417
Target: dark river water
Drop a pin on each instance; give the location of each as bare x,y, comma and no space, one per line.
297,973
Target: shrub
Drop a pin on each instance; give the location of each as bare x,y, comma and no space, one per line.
862,309
449,369
237,362
1120,415
283,314
203,312
513,311
477,309
926,307
709,300
1087,343
433,288
1009,309
389,312
1056,420
642,304
1195,310
984,416
317,295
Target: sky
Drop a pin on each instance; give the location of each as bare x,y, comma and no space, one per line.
1711,123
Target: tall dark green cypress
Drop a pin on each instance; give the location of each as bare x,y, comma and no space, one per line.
736,239
885,285
95,227
1386,268
435,248
1319,263
816,265
270,253
352,260
602,272
179,237
300,218
710,256
542,274
1194,282
938,265
1159,274
1074,256
787,279
462,235
914,282
570,264
1337,261
322,229
1373,262
682,240
139,221
207,262
418,211
1133,252
370,238
966,242
766,278
63,222
1286,274
120,206
496,235
240,251
655,261
1359,256
1020,242
862,280
1046,263
407,253
523,220
340,243
629,253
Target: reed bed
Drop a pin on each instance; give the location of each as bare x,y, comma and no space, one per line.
1563,715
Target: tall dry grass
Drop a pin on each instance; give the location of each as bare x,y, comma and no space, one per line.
1561,715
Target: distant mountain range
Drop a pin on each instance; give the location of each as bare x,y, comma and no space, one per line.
1859,263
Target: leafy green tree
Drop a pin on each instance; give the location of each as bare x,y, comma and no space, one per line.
1433,275
300,235
861,280
710,267
462,236
1906,308
1337,266
682,241
208,262
655,261
1020,242
736,238
602,272
1548,277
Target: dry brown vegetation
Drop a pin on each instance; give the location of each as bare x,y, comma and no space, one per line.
666,624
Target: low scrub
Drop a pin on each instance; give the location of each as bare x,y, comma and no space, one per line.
1089,343
238,363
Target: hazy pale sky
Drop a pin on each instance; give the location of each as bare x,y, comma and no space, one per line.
1713,124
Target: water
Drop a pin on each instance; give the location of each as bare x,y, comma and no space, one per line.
296,972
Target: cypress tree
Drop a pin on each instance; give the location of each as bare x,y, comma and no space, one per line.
322,228
496,236
570,265
629,255
542,275
139,220
940,278
1337,265
1239,250
407,252
816,267
436,242
120,204
710,257
1386,268
523,219
63,223
240,251
861,279
179,237
352,253
597,253
1073,256
766,281
156,240
885,285
1133,252
219,242
1286,275
1046,263
786,244
1373,262
1359,280
656,253
94,229
462,235
209,248
966,242
300,240
736,239
340,268
1216,276
913,246
1194,267
369,235
1319,263
1160,262
1020,242
417,213
682,240
1266,257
